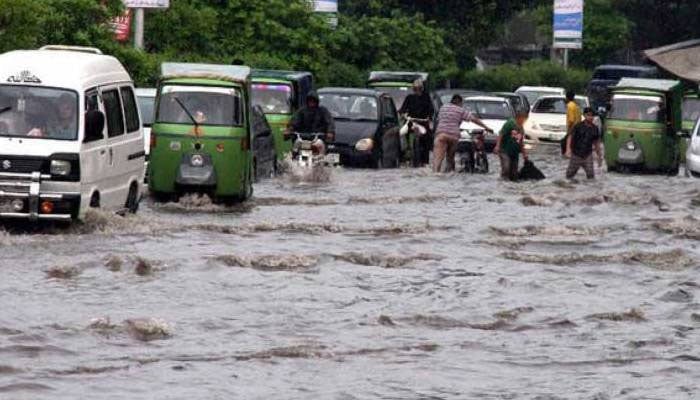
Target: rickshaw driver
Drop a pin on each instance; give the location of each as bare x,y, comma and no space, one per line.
314,118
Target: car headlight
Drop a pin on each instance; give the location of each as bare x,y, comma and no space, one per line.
364,145
60,167
196,160
536,127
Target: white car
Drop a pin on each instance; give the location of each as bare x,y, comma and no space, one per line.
493,111
70,135
146,98
692,157
547,120
535,92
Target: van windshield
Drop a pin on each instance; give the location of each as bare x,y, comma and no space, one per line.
273,98
41,113
636,108
214,106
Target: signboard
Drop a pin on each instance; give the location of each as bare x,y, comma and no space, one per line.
147,3
327,6
568,24
121,26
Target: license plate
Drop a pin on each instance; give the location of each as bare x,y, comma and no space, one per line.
333,158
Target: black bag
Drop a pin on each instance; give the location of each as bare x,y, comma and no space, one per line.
530,173
563,144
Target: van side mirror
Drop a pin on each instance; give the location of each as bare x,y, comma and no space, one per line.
94,126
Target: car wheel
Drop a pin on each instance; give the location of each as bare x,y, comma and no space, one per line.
132,199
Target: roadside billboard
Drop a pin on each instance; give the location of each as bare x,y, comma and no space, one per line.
147,3
326,6
121,26
568,24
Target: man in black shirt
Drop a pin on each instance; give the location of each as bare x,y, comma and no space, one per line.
314,118
419,105
584,139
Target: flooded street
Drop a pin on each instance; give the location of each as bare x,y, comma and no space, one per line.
393,284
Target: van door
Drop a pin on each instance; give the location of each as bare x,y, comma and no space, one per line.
93,157
115,184
133,142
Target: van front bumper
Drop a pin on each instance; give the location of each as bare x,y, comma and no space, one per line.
21,198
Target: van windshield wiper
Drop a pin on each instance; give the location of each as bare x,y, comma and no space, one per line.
189,114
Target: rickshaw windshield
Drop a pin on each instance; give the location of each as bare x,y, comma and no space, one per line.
349,106
637,108
146,104
216,106
38,113
691,109
489,109
273,98
398,94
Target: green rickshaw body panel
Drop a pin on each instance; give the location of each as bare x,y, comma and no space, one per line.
228,146
279,122
658,140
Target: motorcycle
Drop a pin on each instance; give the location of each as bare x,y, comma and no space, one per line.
412,130
473,152
308,150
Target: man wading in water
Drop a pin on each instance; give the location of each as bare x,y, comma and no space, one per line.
584,138
510,145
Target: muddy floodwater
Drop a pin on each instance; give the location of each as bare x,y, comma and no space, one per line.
394,284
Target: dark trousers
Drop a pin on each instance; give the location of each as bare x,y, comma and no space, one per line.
577,163
509,167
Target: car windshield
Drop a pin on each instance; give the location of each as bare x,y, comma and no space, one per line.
36,112
273,98
489,109
636,108
533,95
582,103
550,106
691,109
208,105
399,94
350,106
146,104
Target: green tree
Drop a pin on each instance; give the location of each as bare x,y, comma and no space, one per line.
20,24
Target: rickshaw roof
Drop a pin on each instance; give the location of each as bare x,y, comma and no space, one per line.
230,73
657,85
282,75
397,76
61,68
350,91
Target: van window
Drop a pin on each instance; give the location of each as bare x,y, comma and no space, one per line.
38,113
113,109
132,116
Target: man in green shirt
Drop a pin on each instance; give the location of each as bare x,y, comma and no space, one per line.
510,145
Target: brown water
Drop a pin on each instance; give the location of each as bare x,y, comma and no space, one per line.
394,284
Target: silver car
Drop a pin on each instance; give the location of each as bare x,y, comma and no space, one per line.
692,157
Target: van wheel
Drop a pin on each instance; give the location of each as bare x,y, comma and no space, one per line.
132,200
95,200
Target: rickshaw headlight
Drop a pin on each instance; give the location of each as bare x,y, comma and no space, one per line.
196,160
60,167
631,146
364,145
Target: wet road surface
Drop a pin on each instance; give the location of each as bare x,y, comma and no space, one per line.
395,284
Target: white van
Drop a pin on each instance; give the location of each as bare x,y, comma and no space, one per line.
70,134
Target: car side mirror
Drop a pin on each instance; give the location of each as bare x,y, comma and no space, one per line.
94,126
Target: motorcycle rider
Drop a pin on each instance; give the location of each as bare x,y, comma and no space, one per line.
419,105
314,118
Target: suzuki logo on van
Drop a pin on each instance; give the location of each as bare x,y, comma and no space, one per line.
7,164
24,76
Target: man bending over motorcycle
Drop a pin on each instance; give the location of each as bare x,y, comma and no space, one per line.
419,106
314,118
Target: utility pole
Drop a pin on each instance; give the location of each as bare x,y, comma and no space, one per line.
566,58
138,29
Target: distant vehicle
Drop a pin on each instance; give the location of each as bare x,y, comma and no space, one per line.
70,135
280,94
606,76
264,155
517,100
202,133
397,84
146,98
547,119
643,128
532,93
444,96
691,113
493,111
692,157
366,127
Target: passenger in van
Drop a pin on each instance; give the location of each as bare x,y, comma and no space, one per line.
63,127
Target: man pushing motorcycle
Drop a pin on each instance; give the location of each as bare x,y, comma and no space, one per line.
419,107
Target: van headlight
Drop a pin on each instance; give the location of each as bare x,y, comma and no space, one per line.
196,160
364,145
60,168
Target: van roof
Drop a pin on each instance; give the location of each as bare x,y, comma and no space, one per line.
78,70
231,73
397,76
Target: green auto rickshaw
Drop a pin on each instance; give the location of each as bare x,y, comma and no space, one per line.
643,126
280,94
201,136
